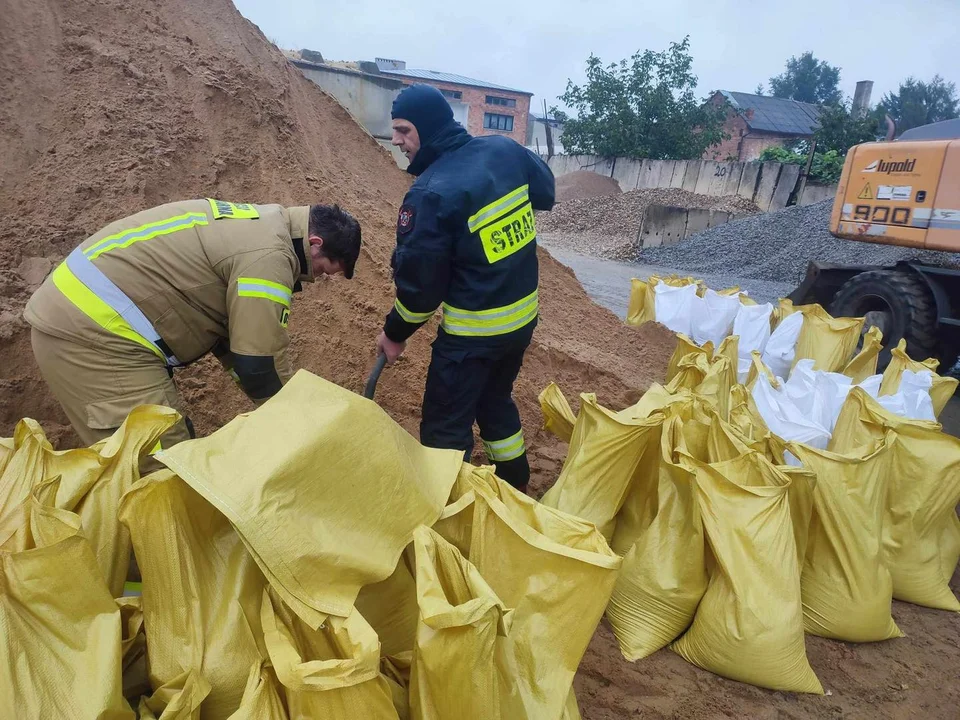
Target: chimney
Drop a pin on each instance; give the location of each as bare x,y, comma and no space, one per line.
861,98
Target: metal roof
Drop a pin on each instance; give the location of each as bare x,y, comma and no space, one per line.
450,78
778,115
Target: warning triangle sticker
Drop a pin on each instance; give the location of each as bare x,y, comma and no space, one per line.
866,193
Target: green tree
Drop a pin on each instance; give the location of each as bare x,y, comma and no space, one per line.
808,80
643,107
919,103
840,130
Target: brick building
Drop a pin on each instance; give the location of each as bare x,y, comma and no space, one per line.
491,109
756,122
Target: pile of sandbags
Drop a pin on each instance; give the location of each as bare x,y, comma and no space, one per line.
291,568
752,506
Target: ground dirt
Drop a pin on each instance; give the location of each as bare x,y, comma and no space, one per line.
110,106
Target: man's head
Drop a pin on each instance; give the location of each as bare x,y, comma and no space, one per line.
334,237
418,113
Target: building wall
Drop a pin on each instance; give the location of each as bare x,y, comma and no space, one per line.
743,145
476,99
753,145
537,137
367,97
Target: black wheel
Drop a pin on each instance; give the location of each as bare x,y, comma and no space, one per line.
899,303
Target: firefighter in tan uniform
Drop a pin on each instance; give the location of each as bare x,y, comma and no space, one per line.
161,288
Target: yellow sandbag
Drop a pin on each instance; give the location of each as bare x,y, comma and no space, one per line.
557,572
686,346
642,307
91,480
950,555
201,590
943,387
691,370
749,624
323,487
179,699
60,654
717,383
830,342
730,349
846,589
921,503
332,672
6,452
864,363
558,418
606,455
455,663
663,576
261,697
657,397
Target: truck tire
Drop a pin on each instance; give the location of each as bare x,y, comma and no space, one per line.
897,302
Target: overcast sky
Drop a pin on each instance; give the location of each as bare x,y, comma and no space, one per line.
537,45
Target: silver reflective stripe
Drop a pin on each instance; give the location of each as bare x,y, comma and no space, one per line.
518,196
278,295
507,449
104,288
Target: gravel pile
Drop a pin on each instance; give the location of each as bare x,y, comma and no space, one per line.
777,247
585,184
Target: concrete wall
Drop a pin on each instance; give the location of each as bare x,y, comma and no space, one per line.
367,97
666,225
770,185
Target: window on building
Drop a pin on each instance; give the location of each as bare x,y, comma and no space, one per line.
452,94
497,100
492,121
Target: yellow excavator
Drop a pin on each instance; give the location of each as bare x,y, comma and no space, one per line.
907,193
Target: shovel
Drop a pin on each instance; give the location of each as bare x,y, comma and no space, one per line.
371,386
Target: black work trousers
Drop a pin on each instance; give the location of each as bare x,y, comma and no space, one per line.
467,385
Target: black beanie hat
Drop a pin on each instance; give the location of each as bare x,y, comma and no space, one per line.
425,107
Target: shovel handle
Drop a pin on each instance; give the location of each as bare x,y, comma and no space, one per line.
371,386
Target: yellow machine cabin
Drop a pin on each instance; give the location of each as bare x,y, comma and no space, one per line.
906,193
901,193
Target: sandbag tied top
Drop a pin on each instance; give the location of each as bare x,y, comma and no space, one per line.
323,487
608,455
846,588
749,625
919,527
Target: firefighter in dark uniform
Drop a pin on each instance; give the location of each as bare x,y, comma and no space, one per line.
466,243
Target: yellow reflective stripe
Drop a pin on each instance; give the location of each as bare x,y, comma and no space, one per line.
409,315
496,321
126,238
96,309
266,289
507,449
498,207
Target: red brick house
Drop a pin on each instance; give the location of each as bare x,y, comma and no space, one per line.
756,122
491,109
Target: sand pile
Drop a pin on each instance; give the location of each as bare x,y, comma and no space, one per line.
585,184
109,106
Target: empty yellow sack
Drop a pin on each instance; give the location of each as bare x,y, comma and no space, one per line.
331,672
607,454
60,654
943,387
323,487
864,363
179,699
924,492
846,589
558,418
261,697
455,672
91,480
749,624
201,591
830,342
663,576
557,572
